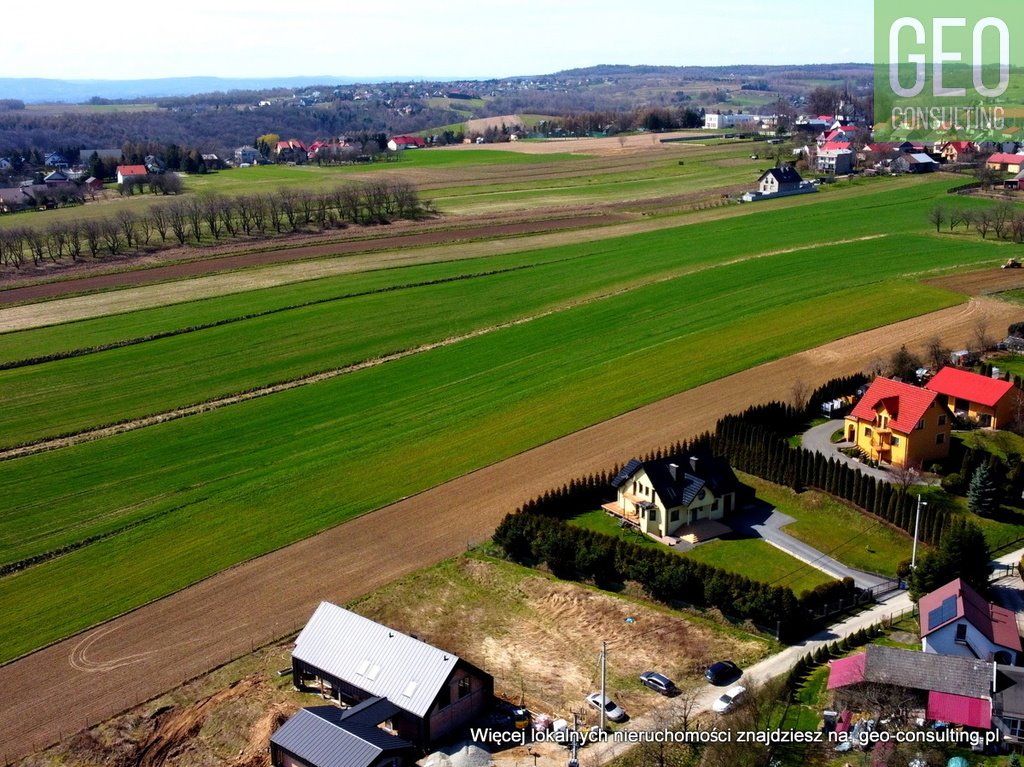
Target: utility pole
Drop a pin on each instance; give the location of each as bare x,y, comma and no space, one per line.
917,522
604,668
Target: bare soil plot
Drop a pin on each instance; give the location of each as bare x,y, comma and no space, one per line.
981,282
537,636
156,647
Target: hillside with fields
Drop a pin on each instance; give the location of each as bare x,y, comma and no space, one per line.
207,451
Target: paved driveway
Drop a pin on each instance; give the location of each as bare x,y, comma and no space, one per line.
762,521
819,439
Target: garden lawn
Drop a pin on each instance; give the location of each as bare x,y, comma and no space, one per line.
760,561
836,528
602,522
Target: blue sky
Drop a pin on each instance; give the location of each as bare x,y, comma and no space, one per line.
424,39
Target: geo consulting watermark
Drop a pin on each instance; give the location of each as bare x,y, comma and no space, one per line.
947,70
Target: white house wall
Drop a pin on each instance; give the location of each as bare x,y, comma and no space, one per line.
943,642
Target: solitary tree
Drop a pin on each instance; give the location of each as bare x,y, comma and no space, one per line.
982,493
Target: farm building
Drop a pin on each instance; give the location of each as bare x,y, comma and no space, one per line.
436,692
900,424
914,162
328,736
126,172
406,142
956,620
988,402
949,689
662,496
1006,163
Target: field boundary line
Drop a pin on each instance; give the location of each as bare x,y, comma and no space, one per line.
110,430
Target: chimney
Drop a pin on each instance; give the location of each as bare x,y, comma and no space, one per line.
693,462
672,469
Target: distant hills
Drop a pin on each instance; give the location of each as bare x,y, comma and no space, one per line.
34,90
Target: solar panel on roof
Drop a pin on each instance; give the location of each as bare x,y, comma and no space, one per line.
943,613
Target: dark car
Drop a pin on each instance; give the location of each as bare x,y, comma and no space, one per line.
722,672
658,682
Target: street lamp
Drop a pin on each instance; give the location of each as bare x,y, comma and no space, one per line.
917,521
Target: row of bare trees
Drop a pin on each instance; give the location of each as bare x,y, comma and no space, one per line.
1004,220
212,217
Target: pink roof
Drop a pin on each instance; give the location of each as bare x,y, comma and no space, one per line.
905,404
846,671
958,709
954,382
132,170
998,624
833,145
1003,158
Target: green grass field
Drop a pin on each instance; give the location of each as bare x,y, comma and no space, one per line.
157,509
759,560
836,528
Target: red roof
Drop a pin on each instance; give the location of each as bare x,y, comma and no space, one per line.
954,382
1006,159
960,146
833,145
846,671
132,170
905,404
998,624
959,709
409,141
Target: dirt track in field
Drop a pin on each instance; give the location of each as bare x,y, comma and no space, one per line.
183,270
89,677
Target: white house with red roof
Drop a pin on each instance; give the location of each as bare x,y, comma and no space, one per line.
899,424
406,142
957,620
988,402
131,171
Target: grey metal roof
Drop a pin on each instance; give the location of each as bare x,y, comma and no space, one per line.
374,658
321,737
927,671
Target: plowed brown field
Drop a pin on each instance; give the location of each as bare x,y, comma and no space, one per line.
89,677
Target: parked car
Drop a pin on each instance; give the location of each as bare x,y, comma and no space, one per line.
729,699
658,682
722,672
611,708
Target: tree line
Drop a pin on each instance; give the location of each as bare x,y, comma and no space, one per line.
1005,220
212,217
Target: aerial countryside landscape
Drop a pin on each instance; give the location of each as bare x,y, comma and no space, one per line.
621,390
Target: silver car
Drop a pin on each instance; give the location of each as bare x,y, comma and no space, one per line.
729,698
611,708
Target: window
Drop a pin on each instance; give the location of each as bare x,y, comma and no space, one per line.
920,425
653,514
464,687
942,420
444,697
961,633
895,441
714,505
940,439
985,420
1015,726
675,515
867,432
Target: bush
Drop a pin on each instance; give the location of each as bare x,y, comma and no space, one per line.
953,483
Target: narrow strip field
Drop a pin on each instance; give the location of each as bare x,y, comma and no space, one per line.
500,362
158,646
